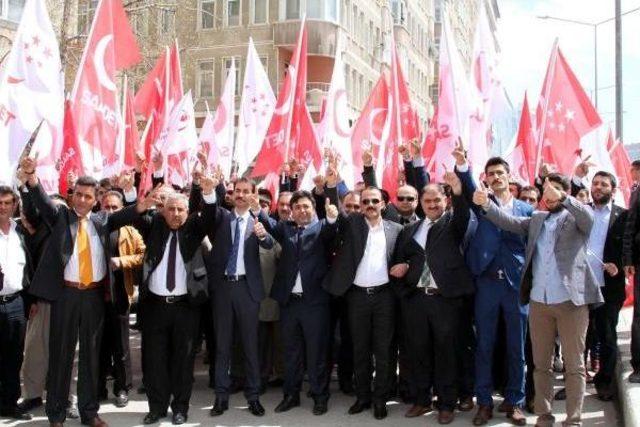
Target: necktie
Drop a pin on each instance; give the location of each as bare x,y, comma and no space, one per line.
232,263
85,266
299,240
171,268
425,277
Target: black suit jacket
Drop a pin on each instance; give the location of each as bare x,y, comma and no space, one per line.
443,253
310,255
220,236
49,276
614,287
353,233
155,232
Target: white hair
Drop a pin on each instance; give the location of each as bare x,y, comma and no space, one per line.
173,197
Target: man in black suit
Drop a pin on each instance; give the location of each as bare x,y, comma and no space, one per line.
174,285
237,289
432,280
74,274
304,304
360,272
605,251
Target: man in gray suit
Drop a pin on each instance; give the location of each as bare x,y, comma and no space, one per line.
560,285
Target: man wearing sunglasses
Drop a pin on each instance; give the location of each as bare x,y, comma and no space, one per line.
360,272
407,198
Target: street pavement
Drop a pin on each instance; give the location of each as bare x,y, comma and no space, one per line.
596,413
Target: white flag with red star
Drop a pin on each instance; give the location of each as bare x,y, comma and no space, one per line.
32,91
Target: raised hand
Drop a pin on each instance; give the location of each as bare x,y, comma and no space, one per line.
319,182
416,148
333,177
259,230
459,153
150,200
481,196
208,182
551,193
126,180
254,200
582,169
367,157
452,179
403,150
158,161
331,210
28,164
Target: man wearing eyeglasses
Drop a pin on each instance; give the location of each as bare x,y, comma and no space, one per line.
360,272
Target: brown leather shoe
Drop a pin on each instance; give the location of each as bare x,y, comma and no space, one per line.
97,422
516,416
466,404
484,414
418,410
445,417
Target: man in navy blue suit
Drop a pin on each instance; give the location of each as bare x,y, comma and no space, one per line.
495,258
304,313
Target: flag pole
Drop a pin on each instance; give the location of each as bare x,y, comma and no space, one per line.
287,132
445,25
550,72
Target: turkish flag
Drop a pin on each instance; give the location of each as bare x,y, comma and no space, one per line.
131,136
564,115
622,165
523,157
220,130
111,47
69,160
371,129
291,132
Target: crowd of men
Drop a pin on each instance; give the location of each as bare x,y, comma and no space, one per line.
445,293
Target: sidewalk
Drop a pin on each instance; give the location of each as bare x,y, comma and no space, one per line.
628,394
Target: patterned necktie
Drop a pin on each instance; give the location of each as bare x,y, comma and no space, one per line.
85,266
171,268
232,263
425,277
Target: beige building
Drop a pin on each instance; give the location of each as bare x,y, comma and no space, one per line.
211,32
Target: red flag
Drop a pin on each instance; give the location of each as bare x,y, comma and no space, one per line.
622,165
565,114
523,157
291,133
69,160
150,96
111,46
371,129
131,136
404,125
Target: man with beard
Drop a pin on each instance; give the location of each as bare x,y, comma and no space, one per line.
559,283
605,258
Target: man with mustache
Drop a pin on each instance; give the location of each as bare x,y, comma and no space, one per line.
559,284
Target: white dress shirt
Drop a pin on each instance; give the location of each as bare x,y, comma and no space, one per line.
372,270
98,262
12,260
158,279
240,269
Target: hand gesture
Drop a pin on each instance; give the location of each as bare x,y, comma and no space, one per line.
367,157
546,169
481,196
453,181
152,199
259,230
208,182
459,153
319,182
71,179
331,210
158,161
551,193
399,270
254,200
28,164
202,158
403,150
332,177
125,180
629,270
416,148
582,169
610,268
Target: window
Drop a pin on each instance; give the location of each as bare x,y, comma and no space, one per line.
398,10
226,64
314,9
167,20
292,9
260,11
11,9
141,22
207,14
205,79
86,10
233,13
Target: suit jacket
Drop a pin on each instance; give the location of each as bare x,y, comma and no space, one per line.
631,239
491,248
155,232
443,253
269,310
48,280
310,255
614,287
353,233
572,238
220,236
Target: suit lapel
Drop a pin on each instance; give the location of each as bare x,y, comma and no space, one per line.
387,237
73,227
615,212
362,235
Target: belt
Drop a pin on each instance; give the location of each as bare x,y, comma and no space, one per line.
235,277
92,285
8,298
296,295
170,299
372,290
495,275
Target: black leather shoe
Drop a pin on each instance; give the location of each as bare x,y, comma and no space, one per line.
319,408
219,407
30,404
380,411
152,418
358,407
256,408
178,418
287,403
16,413
346,387
122,399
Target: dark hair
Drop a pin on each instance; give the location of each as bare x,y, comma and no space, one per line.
246,181
354,193
284,193
266,193
495,161
385,196
87,181
517,184
114,193
635,164
440,187
5,189
105,183
370,188
605,174
299,195
531,188
558,178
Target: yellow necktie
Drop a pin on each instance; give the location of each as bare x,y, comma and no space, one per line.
84,254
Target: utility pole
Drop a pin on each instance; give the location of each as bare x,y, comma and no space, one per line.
618,18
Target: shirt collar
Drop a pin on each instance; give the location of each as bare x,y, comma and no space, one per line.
244,216
605,208
508,205
12,227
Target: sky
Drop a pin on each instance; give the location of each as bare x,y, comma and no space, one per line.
526,43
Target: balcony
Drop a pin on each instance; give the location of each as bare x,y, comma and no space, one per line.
316,92
321,36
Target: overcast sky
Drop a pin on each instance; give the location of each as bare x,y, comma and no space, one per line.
526,43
